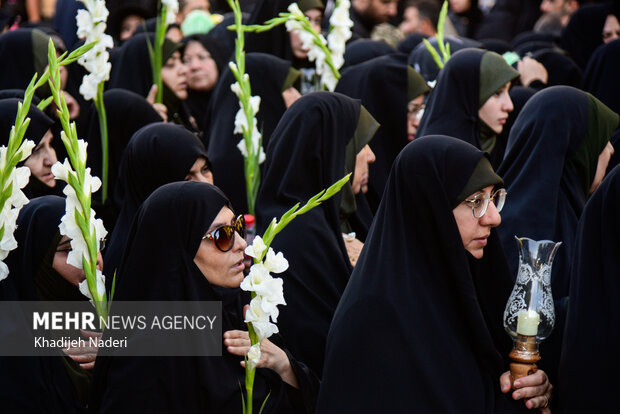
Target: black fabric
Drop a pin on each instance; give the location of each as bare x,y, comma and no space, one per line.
601,75
467,23
583,34
17,47
118,104
410,42
416,290
117,17
363,50
131,70
519,95
423,62
546,192
452,108
267,75
275,41
531,37
562,70
157,154
495,45
306,154
591,327
509,18
37,128
159,265
34,384
381,85
198,101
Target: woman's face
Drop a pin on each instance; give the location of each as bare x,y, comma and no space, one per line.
495,110
460,6
202,70
475,231
415,110
129,26
70,273
223,269
611,29
315,16
360,177
200,172
174,75
41,160
601,167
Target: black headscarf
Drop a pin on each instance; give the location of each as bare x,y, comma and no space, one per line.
423,62
562,69
306,154
601,75
39,384
267,75
158,265
157,154
23,53
583,33
452,108
131,70
382,85
420,297
362,50
591,327
39,125
467,23
549,165
410,42
117,17
519,95
198,101
118,103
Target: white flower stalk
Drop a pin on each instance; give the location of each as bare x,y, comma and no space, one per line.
91,28
250,146
172,9
339,32
79,222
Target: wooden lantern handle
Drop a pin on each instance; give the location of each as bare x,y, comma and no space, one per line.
520,370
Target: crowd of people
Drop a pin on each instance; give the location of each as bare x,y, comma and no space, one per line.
396,286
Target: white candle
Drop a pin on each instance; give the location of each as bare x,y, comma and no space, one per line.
527,323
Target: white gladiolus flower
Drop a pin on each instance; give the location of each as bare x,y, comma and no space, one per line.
275,263
26,149
256,278
253,355
172,7
257,247
83,286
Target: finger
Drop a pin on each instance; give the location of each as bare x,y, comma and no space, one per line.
152,94
235,333
240,351
237,342
537,402
529,392
537,378
88,366
84,358
504,382
545,410
90,334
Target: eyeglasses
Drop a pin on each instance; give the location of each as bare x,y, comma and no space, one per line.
415,110
224,236
480,202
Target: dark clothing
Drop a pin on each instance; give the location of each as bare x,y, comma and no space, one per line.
305,155
591,328
159,265
601,75
416,290
362,50
157,154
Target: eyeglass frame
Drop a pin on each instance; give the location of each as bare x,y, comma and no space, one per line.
210,235
486,199
415,112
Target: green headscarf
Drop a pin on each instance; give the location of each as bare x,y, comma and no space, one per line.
416,85
482,177
305,5
494,73
602,122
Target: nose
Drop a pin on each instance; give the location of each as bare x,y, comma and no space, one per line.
200,178
392,9
370,155
240,243
50,157
507,104
182,69
492,217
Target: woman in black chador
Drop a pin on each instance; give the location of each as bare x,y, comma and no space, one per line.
314,145
470,100
589,348
157,154
419,327
169,257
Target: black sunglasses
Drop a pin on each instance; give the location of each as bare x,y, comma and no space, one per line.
224,236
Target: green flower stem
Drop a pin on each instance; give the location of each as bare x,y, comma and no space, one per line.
76,180
443,48
103,128
156,52
250,163
303,20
